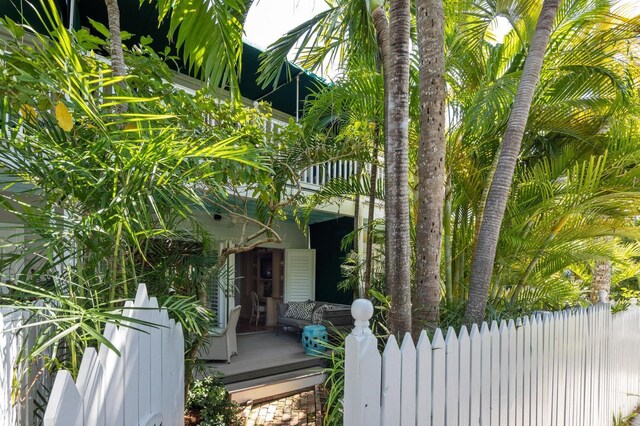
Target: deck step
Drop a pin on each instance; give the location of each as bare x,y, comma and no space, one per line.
272,370
268,388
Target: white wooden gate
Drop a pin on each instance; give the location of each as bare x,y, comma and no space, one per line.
143,386
21,406
10,343
578,367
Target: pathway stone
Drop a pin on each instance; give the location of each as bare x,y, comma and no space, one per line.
302,409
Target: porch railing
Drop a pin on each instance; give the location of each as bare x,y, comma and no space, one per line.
318,175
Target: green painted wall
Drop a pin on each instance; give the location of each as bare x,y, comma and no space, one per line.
325,239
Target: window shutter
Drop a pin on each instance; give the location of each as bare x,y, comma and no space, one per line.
222,298
299,275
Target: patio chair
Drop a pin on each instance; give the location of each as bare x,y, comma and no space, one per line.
256,308
224,343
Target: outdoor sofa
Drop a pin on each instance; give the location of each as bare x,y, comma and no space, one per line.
332,315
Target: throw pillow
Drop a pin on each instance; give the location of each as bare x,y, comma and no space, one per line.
318,314
300,310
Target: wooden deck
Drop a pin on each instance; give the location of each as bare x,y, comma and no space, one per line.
265,354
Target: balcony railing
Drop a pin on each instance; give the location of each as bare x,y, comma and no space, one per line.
320,174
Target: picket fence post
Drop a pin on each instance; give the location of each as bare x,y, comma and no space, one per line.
362,370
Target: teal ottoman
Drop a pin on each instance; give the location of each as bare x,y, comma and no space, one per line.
312,338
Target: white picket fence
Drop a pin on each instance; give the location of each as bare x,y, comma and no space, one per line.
9,348
575,367
25,405
143,386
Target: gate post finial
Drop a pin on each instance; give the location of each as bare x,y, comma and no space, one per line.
362,311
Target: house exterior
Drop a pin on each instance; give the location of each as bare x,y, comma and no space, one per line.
306,264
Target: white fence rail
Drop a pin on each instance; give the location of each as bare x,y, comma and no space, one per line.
578,367
143,386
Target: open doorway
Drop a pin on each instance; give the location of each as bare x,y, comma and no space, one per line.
261,271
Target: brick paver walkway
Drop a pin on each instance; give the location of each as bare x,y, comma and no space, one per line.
299,409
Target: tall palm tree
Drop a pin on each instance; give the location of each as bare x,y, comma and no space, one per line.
346,32
584,86
431,163
397,241
484,256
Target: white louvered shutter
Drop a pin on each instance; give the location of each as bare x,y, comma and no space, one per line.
299,275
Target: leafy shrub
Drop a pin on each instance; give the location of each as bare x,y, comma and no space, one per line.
209,402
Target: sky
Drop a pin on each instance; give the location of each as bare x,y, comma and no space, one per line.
270,19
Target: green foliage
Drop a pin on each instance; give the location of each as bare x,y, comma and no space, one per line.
575,192
67,315
110,181
110,200
208,399
209,35
575,181
343,33
334,383
621,296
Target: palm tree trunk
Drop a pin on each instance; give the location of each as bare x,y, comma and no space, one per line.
117,53
485,194
356,209
431,163
397,241
381,23
379,17
456,250
368,258
397,238
486,246
358,291
601,279
448,241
